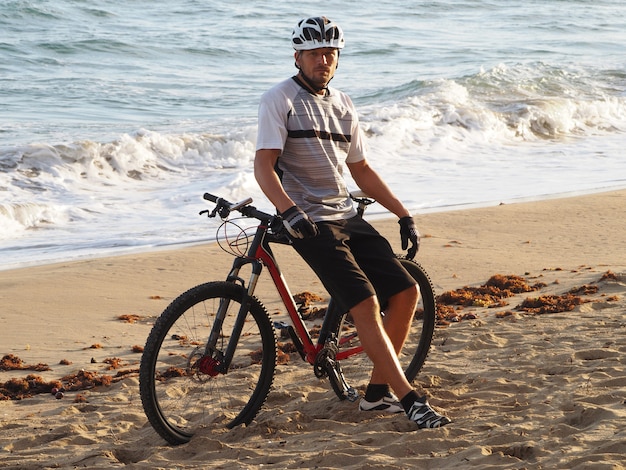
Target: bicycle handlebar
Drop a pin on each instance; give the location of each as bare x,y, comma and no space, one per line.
224,208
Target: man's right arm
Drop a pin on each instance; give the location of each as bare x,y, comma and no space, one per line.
266,176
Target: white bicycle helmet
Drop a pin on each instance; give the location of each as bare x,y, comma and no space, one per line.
313,33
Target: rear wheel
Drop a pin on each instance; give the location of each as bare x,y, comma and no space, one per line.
356,369
180,386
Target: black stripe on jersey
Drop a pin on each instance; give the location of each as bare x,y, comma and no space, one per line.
305,134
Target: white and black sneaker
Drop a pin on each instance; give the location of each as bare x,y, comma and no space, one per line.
425,417
387,404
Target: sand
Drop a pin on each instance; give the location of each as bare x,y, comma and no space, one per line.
524,390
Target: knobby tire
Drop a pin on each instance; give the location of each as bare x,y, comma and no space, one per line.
177,397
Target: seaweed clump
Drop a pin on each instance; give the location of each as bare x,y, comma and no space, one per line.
20,388
551,303
31,385
84,380
12,362
558,303
305,301
498,288
492,294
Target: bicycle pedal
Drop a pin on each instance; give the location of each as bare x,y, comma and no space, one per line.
352,394
280,325
283,328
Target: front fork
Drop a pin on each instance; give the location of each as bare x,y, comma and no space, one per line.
215,361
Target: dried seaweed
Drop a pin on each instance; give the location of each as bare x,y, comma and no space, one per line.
12,362
31,385
490,294
20,388
129,318
551,303
499,287
305,301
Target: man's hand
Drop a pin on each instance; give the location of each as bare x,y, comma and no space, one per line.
408,231
298,223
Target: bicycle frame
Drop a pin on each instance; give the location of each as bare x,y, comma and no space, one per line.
260,254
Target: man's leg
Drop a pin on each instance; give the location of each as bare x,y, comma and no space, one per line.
379,346
382,352
397,323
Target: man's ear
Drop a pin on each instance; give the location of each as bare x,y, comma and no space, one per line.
296,57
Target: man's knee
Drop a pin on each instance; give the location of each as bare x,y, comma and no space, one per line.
409,295
367,308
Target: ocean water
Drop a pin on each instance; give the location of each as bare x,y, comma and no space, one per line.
115,117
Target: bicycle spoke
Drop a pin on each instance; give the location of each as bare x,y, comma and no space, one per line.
182,388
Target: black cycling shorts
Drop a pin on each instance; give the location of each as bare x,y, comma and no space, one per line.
354,262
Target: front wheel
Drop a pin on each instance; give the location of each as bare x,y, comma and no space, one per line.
356,369
181,384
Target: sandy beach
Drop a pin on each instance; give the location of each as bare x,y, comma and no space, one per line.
524,389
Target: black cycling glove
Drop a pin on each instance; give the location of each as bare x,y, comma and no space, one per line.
298,224
408,231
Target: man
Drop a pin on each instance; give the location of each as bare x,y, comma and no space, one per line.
307,132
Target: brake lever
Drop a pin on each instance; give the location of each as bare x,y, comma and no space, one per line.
213,213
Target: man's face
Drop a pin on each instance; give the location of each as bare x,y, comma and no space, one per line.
318,65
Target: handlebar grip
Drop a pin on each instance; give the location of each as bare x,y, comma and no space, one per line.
238,205
210,197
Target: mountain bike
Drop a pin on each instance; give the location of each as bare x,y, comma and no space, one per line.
210,357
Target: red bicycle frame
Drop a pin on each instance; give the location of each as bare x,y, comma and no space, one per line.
260,254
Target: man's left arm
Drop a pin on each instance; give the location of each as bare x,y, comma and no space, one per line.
373,185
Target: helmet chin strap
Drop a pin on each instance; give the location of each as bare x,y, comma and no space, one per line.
313,86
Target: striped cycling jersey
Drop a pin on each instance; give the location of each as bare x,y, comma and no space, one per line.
316,134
